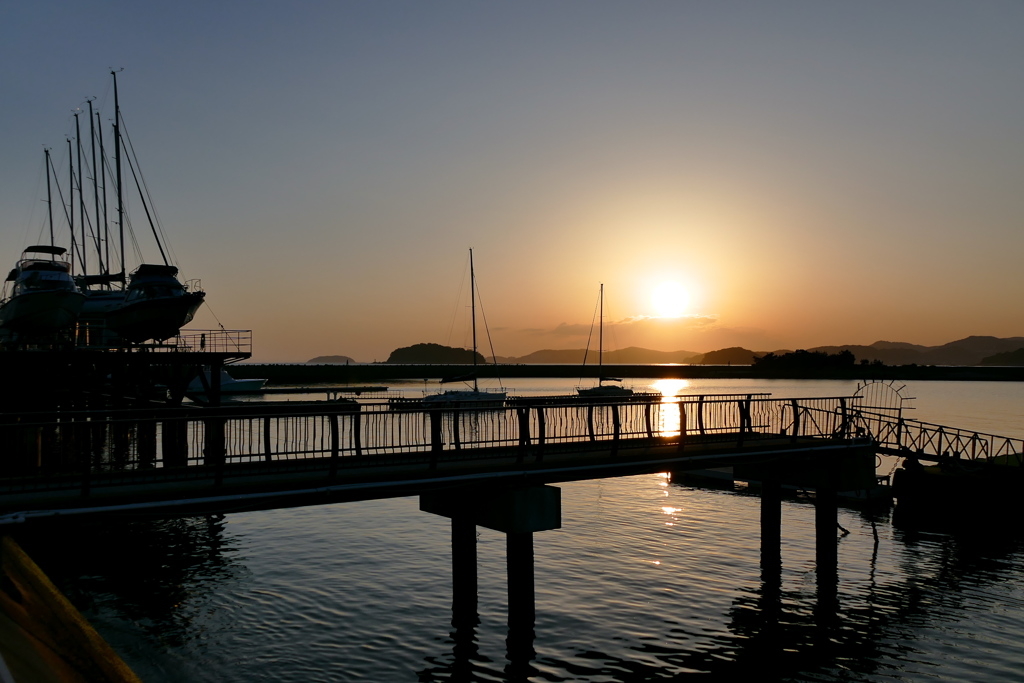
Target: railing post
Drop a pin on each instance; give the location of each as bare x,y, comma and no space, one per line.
214,450
174,443
682,426
648,419
590,423
145,434
796,420
436,436
616,429
357,432
456,437
335,444
844,427
268,453
523,417
744,410
541,433
700,415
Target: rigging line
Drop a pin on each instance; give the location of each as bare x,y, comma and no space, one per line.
60,195
590,336
487,331
219,323
145,207
147,197
30,218
88,223
455,311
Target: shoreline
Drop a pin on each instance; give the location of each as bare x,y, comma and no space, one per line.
278,373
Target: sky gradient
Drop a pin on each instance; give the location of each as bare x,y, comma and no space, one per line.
810,172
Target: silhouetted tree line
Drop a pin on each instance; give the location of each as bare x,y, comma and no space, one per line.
805,360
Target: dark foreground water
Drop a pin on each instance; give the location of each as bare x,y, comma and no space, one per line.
646,580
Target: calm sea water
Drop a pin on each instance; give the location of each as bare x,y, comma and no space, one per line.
647,580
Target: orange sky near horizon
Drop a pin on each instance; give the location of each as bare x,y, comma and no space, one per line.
810,173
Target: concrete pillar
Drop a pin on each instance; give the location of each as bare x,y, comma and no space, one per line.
771,524
521,605
826,521
464,576
521,608
518,513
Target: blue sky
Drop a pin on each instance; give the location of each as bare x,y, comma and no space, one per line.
811,172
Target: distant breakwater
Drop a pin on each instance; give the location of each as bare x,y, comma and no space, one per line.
303,374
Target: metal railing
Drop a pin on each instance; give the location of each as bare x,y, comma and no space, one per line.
94,335
71,448
928,441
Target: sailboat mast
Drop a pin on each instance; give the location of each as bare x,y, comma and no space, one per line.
81,196
71,203
117,166
600,339
95,185
106,218
472,305
49,199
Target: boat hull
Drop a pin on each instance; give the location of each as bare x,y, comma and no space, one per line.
41,312
154,318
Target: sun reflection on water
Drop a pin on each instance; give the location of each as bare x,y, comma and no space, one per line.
669,423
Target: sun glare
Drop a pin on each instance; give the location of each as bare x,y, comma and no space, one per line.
670,300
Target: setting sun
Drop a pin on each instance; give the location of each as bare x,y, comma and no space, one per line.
670,300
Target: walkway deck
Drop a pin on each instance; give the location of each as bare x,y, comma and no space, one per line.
247,456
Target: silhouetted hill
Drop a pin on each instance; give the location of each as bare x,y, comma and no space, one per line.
975,350
734,355
435,354
629,356
967,351
552,356
331,360
1004,359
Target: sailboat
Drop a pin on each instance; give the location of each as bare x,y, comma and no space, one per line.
602,390
474,396
43,296
151,303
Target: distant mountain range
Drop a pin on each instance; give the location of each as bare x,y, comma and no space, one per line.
968,351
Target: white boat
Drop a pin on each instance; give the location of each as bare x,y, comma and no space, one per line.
228,384
467,397
605,391
43,297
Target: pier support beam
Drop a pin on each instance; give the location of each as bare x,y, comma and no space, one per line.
771,526
464,577
518,513
826,543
